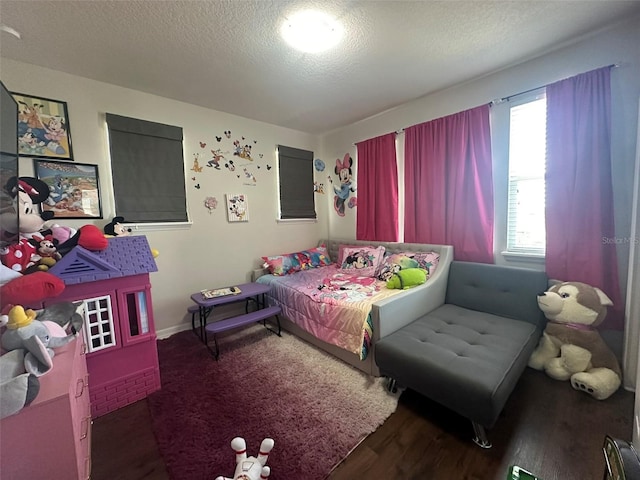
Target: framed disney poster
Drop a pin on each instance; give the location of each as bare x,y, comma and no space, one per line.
74,189
237,207
43,128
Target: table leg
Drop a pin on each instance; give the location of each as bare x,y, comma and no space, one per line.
216,353
279,332
193,322
204,314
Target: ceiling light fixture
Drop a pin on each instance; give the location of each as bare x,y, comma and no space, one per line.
311,31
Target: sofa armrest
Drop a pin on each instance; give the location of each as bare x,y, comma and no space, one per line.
395,312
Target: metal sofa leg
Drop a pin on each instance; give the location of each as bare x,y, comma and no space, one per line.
480,438
392,386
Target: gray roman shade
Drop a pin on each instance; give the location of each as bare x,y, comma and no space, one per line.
147,163
296,183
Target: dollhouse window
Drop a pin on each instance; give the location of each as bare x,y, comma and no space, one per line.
137,313
99,327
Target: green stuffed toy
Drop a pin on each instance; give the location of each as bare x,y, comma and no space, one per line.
407,278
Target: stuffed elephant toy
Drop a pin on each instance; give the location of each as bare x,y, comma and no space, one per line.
29,341
40,336
18,388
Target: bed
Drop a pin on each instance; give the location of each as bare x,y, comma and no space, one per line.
358,313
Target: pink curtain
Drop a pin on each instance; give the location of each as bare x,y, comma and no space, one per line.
579,196
449,184
377,181
424,179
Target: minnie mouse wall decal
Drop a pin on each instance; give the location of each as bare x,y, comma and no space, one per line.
343,170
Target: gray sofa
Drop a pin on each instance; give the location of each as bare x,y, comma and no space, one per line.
469,353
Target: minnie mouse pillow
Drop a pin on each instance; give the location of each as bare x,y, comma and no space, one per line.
360,260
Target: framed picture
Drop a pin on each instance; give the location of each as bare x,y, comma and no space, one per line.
74,189
43,128
237,207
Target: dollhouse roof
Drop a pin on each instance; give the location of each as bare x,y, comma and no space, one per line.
123,257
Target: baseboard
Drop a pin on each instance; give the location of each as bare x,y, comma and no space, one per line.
167,332
222,312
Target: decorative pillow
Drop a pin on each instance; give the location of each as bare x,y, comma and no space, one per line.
341,251
395,262
427,260
318,257
297,261
30,289
286,264
364,259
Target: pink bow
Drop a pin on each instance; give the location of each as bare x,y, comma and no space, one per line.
26,188
344,165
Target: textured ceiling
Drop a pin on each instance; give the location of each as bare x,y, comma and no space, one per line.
228,56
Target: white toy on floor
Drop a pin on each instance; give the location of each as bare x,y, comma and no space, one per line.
250,468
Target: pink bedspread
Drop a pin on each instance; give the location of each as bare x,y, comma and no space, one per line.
331,305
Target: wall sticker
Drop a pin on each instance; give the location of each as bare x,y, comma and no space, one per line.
342,193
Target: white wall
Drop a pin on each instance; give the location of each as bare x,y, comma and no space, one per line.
211,252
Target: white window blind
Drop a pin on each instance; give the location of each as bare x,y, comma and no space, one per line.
527,156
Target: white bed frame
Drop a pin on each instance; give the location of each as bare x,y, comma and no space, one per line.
390,314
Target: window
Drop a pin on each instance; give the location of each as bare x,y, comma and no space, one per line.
147,164
295,175
527,155
99,328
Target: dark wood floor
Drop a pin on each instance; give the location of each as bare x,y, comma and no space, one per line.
546,427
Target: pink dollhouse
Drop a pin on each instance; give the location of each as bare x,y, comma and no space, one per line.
119,332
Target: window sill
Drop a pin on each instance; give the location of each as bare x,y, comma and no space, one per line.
297,220
158,227
523,257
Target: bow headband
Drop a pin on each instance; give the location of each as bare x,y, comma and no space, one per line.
345,164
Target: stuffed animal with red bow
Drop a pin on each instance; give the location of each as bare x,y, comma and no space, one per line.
24,220
31,254
22,229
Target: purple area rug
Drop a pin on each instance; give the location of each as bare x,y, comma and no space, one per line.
315,407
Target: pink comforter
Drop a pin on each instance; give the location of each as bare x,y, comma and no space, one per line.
332,305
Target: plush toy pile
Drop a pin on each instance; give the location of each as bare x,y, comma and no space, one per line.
37,245
31,245
29,341
571,348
